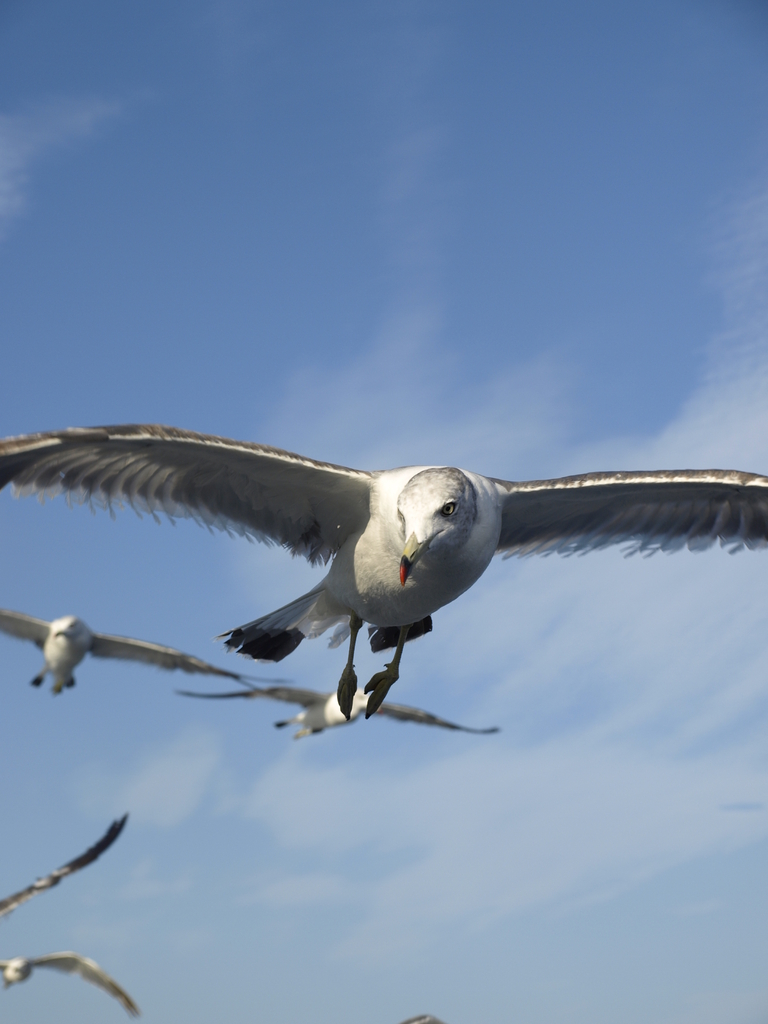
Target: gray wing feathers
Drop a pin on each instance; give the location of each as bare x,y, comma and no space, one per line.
295,695
661,511
25,627
11,902
105,646
288,694
219,696
406,714
89,970
274,496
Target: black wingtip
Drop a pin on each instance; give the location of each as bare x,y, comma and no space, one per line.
95,851
252,692
114,830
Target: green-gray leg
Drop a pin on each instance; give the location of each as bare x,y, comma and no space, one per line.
59,685
348,682
379,685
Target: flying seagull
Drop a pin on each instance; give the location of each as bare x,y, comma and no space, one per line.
423,1018
66,641
321,710
20,968
11,902
404,542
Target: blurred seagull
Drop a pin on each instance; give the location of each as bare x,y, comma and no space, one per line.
424,1018
321,710
66,641
11,902
404,542
20,967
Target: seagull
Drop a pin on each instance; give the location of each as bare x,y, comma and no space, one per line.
423,1018
11,902
321,710
66,641
402,542
20,967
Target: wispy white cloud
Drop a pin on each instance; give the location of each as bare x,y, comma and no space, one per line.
27,137
163,786
310,889
144,884
401,402
487,832
701,909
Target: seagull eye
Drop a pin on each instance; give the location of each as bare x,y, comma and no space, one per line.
448,508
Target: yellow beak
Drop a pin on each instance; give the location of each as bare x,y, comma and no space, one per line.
412,551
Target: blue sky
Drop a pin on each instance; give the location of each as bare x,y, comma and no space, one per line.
524,239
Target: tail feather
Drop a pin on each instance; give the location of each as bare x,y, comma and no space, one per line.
275,636
265,646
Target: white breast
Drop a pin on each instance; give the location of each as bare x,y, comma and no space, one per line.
17,969
62,650
365,576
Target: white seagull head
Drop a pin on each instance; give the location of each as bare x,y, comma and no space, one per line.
72,629
437,510
17,969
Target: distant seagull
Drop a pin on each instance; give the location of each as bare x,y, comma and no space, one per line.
404,542
322,709
66,641
425,1018
11,902
20,968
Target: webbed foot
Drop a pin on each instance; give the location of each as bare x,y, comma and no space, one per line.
347,690
59,685
379,686
348,682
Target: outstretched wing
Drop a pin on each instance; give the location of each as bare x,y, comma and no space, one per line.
406,714
265,493
665,511
89,970
11,902
289,694
25,627
105,646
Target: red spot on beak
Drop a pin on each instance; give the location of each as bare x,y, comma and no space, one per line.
405,568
